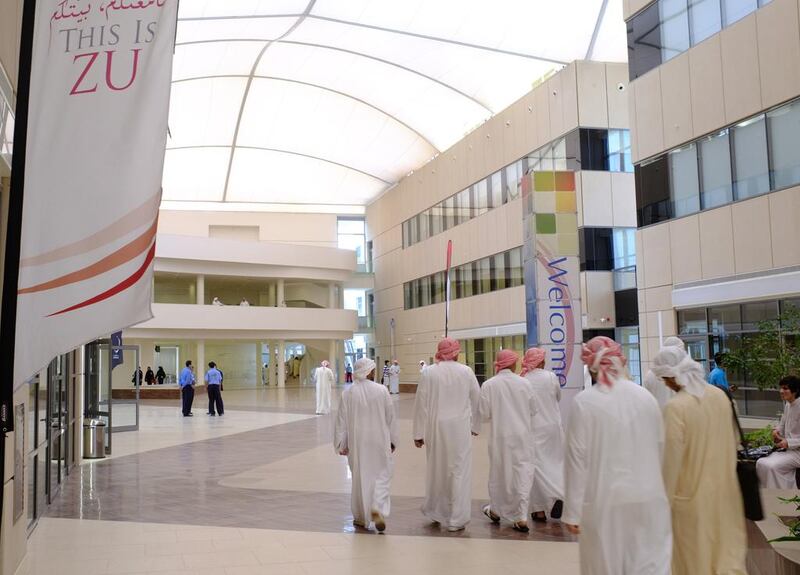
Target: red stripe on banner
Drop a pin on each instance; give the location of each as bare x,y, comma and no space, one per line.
119,288
126,253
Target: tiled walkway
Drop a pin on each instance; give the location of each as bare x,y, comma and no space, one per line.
228,493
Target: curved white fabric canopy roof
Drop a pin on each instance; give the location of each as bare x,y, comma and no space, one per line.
333,101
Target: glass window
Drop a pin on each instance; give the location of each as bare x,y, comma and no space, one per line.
414,231
424,232
456,203
406,233
783,127
644,41
619,151
499,272
750,168
652,192
716,187
496,189
465,273
407,295
705,19
425,291
624,248
692,321
351,236
476,277
674,28
734,10
465,205
436,220
447,214
481,198
485,267
414,294
512,181
724,319
560,154
516,267
594,149
437,287
596,253
683,180
755,313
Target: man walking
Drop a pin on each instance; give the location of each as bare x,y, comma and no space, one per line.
186,381
366,432
214,385
445,413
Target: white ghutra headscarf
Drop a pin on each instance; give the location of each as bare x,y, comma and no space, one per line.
363,368
676,363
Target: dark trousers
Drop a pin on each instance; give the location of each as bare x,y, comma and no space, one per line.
187,395
215,398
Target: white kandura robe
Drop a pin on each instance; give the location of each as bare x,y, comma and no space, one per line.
394,379
548,442
366,426
508,403
324,379
776,471
658,388
445,412
613,484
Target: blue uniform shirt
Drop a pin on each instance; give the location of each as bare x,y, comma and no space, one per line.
213,376
186,377
718,378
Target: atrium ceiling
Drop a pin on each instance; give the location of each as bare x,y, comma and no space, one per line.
331,102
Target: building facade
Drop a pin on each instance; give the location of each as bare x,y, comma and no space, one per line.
715,125
575,120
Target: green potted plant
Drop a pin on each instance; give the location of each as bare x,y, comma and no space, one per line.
772,353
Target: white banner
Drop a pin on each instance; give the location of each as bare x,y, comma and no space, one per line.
97,131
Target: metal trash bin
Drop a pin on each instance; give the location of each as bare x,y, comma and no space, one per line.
94,439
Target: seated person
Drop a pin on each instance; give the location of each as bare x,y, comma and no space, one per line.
777,470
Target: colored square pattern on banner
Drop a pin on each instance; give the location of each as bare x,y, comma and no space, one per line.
555,208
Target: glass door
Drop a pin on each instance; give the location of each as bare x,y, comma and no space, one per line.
57,403
112,387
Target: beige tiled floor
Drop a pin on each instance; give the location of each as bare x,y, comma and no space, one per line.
81,547
302,471
320,469
163,426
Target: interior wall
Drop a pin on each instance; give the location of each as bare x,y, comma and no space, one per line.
309,229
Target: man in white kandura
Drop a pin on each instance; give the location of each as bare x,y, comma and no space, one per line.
547,491
422,366
654,384
324,379
394,377
508,403
445,413
777,471
614,494
366,432
708,525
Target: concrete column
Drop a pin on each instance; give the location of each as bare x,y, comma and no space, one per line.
201,290
200,365
337,364
272,298
332,299
281,296
280,361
